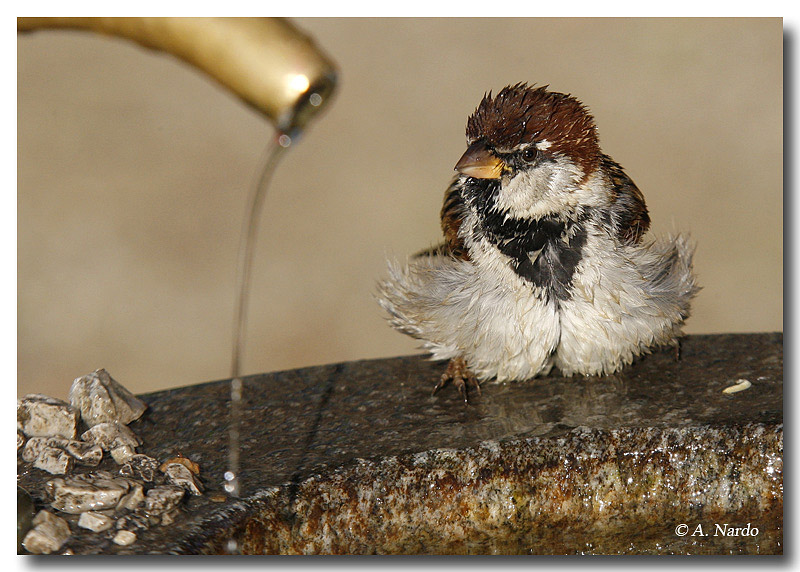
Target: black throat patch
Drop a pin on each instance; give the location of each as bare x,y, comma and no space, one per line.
542,251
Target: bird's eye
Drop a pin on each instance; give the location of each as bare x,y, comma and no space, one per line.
529,154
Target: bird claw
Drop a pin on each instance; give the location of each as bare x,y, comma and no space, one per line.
459,373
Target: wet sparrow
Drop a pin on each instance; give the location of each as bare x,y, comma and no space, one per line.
543,262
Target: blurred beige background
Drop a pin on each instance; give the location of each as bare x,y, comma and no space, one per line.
133,172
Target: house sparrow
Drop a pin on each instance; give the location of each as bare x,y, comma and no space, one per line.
543,262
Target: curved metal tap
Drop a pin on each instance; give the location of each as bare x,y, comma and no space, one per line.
267,62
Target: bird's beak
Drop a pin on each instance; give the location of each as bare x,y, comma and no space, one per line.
479,162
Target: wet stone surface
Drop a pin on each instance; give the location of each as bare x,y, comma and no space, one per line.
360,458
103,499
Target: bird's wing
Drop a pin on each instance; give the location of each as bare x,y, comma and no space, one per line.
452,214
628,213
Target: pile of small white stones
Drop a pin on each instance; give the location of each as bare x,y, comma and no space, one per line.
123,504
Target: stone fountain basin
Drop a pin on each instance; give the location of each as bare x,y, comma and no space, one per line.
360,458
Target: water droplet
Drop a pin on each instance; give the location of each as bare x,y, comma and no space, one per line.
315,99
284,140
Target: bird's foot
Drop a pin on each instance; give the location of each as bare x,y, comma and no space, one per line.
459,373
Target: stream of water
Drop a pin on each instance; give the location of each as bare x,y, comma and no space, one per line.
247,243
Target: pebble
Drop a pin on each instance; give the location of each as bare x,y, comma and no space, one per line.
33,448
41,416
133,499
163,499
124,538
46,437
85,453
133,522
169,517
180,475
740,385
101,399
111,436
122,455
83,493
188,463
140,466
54,461
48,534
51,486
95,521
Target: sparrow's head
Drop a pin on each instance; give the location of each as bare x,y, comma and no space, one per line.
530,150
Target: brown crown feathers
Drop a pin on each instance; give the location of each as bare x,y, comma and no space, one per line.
521,114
